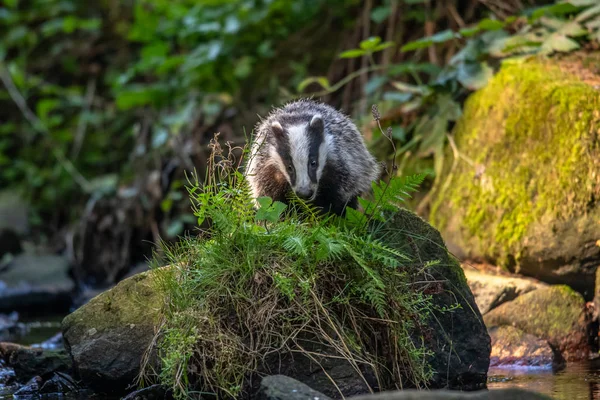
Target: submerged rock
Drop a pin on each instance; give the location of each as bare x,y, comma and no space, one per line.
28,362
110,336
154,392
281,387
511,347
499,394
35,283
491,290
555,314
536,213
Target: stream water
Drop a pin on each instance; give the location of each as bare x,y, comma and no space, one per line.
578,381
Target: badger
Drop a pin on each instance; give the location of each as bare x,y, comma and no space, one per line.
315,151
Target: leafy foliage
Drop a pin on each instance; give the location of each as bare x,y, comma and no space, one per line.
290,279
101,93
423,100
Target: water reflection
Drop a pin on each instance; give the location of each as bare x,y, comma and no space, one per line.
578,381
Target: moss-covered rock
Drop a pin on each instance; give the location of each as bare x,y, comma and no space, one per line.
555,314
108,337
523,188
491,290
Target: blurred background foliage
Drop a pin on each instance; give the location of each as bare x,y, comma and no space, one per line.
107,104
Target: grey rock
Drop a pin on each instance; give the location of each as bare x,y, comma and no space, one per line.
28,361
281,387
491,290
34,282
109,336
154,392
501,394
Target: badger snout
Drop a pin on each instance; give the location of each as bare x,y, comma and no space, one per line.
305,192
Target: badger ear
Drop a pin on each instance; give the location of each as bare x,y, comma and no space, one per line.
316,125
277,129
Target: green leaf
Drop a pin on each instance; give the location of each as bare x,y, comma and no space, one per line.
268,210
558,9
582,3
352,53
383,46
474,76
425,42
321,80
558,43
407,88
468,32
370,43
488,24
397,96
589,13
44,107
573,29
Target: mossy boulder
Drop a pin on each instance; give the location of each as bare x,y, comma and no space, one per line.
556,314
523,187
491,289
107,338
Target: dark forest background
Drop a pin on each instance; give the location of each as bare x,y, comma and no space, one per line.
107,104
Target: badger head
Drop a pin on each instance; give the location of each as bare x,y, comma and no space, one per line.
300,153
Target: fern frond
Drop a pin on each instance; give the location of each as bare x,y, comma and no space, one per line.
376,297
328,248
295,245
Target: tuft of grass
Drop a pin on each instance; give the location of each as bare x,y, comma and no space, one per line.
265,279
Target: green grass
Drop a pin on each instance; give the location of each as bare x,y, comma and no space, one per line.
255,284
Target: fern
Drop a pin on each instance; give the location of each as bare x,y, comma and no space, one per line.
295,245
389,196
285,272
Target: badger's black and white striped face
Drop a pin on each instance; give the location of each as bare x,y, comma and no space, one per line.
300,153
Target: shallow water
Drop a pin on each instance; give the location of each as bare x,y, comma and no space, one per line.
578,381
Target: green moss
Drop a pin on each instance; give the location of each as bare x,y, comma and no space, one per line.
532,135
552,313
134,301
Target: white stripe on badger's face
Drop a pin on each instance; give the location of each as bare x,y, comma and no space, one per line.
323,155
299,148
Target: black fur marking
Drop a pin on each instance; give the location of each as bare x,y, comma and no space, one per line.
316,135
329,197
283,149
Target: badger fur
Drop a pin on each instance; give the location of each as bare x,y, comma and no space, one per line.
315,151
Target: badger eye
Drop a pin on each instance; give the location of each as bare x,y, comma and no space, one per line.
290,167
313,163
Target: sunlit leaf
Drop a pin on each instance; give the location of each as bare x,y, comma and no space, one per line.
558,43
488,24
321,80
425,42
370,43
354,53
